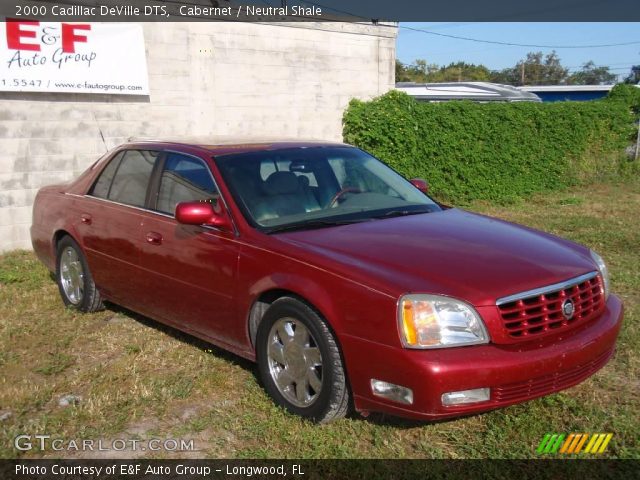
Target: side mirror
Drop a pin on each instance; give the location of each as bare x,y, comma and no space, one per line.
420,184
202,213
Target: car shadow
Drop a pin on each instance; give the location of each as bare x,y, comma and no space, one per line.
380,419
183,337
386,420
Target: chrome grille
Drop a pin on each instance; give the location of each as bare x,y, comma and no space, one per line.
540,311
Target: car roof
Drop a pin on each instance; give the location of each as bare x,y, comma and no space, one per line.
228,145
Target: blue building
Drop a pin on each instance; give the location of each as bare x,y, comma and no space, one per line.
559,93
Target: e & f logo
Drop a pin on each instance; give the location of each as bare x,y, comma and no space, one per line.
574,443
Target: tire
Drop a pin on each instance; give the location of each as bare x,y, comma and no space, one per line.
77,289
300,363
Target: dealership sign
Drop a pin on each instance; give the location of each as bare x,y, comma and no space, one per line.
72,58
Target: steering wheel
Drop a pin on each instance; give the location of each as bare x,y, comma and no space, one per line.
336,197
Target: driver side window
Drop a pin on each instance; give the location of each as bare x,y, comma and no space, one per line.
184,179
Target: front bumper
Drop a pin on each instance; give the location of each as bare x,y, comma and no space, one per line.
515,373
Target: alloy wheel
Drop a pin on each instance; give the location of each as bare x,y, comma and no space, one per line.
295,362
72,275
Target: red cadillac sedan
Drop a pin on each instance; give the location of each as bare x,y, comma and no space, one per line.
346,283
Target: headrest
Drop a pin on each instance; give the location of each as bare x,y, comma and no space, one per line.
281,183
304,181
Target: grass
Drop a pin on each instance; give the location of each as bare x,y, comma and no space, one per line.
138,379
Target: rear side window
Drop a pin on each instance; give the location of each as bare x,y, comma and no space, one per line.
184,179
102,186
131,179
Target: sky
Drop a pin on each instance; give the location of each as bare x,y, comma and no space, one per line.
414,45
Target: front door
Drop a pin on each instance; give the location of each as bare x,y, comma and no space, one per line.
191,269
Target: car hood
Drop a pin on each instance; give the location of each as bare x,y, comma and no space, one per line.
451,252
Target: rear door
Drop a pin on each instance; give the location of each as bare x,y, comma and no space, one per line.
191,270
111,220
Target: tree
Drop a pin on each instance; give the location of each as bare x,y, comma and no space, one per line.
540,69
418,72
535,69
423,72
460,72
401,72
634,76
592,75
507,76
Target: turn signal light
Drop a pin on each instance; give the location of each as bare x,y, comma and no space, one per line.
397,393
466,396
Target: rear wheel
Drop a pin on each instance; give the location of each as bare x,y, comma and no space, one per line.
300,363
75,282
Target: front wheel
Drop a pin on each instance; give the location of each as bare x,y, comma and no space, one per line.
74,278
300,363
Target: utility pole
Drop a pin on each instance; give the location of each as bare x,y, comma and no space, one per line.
638,141
522,74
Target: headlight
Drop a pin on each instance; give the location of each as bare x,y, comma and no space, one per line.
604,272
432,321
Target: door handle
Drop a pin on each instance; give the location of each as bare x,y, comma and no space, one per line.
86,219
154,238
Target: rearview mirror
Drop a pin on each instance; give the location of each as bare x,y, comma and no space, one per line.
202,213
420,184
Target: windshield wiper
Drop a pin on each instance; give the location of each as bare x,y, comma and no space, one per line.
401,213
314,224
333,223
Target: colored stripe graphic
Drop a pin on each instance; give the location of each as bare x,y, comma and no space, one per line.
547,448
557,444
599,443
574,442
581,443
605,443
568,442
544,441
550,443
590,444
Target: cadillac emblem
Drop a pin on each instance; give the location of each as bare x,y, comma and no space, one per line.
568,309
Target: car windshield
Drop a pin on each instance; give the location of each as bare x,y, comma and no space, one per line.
309,187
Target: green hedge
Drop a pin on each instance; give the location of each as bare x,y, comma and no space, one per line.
627,94
493,151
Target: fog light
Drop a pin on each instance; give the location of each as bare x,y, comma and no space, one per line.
391,391
466,396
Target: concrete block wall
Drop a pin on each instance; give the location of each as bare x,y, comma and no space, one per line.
291,80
